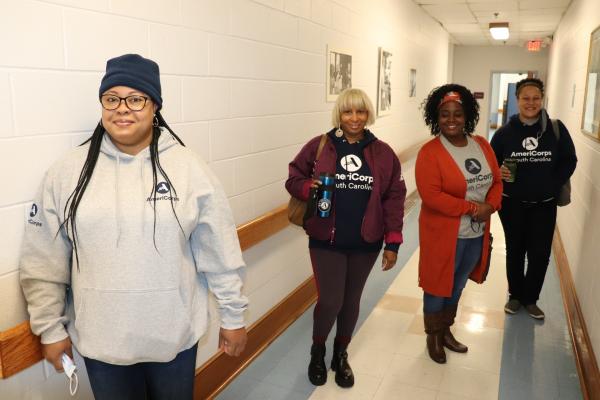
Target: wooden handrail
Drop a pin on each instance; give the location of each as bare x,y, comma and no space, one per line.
20,348
585,360
259,229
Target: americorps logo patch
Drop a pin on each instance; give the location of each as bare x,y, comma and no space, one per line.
32,213
324,204
473,166
162,187
530,143
163,192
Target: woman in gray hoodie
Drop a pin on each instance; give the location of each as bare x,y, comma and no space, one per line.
126,236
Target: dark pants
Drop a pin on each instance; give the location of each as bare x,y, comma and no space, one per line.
468,253
528,229
173,380
341,278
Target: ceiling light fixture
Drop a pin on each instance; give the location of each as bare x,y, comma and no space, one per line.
499,30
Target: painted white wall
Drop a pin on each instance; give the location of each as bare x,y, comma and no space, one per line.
244,86
579,223
473,67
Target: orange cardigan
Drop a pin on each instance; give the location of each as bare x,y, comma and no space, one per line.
442,187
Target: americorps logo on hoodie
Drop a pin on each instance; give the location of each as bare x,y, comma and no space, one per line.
531,153
32,214
163,192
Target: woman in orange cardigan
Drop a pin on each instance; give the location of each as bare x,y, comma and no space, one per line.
460,184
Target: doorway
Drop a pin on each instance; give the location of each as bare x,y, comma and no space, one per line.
500,100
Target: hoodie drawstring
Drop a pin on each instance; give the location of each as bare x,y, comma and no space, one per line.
142,188
117,199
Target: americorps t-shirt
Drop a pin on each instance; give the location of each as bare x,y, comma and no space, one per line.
472,163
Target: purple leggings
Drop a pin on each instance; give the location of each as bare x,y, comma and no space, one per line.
340,277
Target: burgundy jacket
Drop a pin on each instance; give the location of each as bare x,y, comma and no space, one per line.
385,209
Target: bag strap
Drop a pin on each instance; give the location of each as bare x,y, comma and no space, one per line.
555,128
319,150
321,145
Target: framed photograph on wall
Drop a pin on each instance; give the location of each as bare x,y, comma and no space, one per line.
384,86
412,83
590,120
339,72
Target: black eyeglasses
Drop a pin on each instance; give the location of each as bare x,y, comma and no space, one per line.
135,102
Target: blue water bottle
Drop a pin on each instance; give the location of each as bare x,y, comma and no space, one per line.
325,195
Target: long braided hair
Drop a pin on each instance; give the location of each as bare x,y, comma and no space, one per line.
70,211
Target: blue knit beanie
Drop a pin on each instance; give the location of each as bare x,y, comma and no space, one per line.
136,72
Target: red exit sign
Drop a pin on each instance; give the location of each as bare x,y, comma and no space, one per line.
534,45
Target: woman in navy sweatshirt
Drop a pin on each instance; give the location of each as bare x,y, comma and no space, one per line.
367,209
545,159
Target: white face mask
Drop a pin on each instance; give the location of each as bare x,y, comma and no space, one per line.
69,368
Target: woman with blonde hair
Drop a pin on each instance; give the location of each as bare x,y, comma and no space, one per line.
366,210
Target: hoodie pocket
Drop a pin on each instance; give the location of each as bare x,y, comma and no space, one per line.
123,327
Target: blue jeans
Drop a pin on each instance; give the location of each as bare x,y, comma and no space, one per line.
147,380
468,252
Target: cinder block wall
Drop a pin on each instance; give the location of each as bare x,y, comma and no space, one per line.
579,223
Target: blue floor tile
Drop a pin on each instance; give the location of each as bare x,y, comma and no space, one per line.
281,368
537,356
266,391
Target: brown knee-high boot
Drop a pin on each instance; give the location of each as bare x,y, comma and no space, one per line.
449,340
434,327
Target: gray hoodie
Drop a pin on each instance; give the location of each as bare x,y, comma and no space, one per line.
130,302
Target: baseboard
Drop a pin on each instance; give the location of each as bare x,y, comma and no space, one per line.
217,372
589,375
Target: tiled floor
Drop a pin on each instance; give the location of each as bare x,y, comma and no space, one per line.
510,357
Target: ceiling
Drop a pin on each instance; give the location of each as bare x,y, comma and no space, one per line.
467,21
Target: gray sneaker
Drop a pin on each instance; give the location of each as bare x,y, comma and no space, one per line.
512,306
534,311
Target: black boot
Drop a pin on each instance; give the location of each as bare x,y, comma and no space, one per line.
317,371
339,363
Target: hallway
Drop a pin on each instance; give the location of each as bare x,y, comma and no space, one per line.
246,84
510,357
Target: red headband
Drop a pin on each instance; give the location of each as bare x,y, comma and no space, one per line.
450,96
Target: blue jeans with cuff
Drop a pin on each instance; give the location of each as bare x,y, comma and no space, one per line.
468,252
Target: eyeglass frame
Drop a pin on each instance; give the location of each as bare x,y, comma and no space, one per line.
124,99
